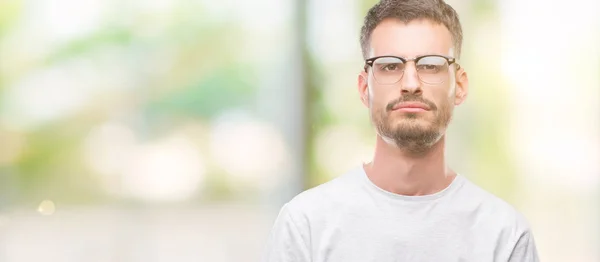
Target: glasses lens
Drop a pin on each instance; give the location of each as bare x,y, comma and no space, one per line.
432,69
388,70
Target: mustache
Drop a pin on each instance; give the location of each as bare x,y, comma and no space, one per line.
410,98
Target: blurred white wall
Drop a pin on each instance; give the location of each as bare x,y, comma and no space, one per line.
551,57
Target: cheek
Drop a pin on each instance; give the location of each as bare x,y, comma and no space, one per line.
380,95
379,102
442,95
446,104
377,91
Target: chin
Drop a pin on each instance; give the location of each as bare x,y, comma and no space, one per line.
414,125
413,119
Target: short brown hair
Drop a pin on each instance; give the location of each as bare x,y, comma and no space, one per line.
408,10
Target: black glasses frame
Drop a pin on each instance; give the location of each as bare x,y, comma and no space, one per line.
450,60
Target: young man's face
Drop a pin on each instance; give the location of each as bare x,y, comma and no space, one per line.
411,113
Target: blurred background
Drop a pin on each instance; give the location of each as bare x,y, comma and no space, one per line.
174,130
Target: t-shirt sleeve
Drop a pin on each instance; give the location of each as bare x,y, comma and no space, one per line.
287,241
524,250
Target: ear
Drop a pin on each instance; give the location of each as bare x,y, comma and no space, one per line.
363,87
462,86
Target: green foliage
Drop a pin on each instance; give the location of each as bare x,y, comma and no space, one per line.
203,76
42,172
9,12
222,89
84,45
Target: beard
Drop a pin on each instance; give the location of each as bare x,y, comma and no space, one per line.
410,131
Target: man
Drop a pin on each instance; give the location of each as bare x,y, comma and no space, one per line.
405,205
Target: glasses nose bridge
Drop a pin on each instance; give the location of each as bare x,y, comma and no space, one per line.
409,77
414,64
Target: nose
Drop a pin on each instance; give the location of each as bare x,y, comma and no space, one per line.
411,85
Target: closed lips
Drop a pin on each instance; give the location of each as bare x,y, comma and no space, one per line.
414,105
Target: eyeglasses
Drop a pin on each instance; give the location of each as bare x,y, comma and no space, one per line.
431,69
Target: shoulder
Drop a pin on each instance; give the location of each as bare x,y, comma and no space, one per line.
496,212
332,194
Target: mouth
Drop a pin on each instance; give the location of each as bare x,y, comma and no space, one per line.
411,107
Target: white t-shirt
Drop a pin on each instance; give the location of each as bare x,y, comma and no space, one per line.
350,219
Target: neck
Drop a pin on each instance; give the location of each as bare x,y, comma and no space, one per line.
401,172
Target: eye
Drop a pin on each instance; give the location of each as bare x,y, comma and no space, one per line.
390,67
432,64
429,68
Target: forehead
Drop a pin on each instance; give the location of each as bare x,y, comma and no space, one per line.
418,37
